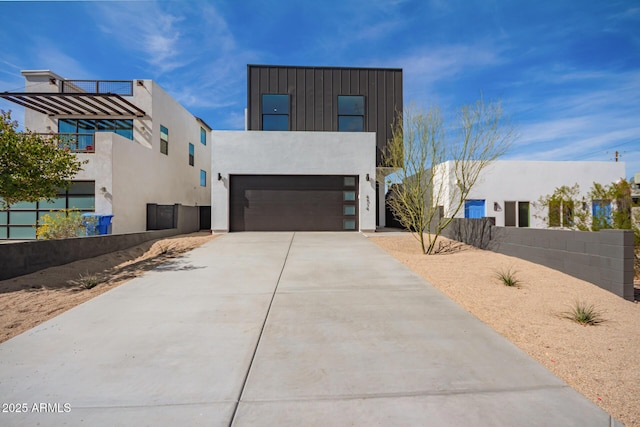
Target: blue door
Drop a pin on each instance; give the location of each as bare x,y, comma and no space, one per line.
474,208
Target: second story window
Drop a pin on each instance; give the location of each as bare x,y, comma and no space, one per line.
164,140
192,154
203,136
275,112
351,113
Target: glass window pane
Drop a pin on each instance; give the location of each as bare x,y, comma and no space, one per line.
349,181
203,136
349,210
275,122
24,205
125,128
275,104
3,232
22,218
66,126
82,187
105,126
164,133
351,105
349,195
191,149
350,124
4,216
22,232
82,202
349,224
58,203
203,178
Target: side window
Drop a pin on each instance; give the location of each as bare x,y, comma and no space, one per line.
203,178
164,140
203,136
191,154
350,113
275,112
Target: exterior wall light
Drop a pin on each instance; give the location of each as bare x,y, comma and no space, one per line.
368,179
219,177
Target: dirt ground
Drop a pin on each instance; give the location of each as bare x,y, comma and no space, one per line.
601,361
29,300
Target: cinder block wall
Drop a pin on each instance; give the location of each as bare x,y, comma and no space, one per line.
21,258
604,258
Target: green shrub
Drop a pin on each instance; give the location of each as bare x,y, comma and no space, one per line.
508,277
89,281
585,314
63,224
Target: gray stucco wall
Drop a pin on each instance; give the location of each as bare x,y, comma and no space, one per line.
604,258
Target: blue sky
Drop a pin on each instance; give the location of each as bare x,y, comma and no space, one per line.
567,72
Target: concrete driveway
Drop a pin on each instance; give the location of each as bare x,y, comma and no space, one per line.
300,329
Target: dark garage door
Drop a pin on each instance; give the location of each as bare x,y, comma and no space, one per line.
293,203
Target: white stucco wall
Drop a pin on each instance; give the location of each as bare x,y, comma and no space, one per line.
128,174
292,153
527,181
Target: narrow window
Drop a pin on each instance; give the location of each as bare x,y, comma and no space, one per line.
554,213
191,154
203,178
203,136
523,214
509,214
275,112
351,113
164,140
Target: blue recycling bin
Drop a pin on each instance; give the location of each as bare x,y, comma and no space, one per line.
104,224
100,226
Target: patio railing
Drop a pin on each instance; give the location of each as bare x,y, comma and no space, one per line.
75,142
116,87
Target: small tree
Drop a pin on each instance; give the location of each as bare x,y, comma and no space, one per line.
32,167
604,207
420,146
565,208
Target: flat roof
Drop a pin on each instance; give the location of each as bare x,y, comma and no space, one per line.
321,67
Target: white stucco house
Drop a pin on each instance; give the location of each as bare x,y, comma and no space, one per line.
311,152
141,145
509,190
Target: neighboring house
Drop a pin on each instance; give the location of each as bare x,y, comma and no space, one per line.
311,151
509,191
142,148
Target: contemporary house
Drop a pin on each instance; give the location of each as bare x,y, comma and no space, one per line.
508,190
143,149
311,152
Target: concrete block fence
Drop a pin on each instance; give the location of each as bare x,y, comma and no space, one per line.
604,258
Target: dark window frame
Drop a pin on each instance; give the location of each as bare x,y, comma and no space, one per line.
164,143
43,207
203,178
192,154
345,115
203,136
265,113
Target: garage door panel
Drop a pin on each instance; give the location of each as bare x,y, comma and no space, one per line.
291,203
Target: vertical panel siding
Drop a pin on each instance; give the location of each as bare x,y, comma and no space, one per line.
314,96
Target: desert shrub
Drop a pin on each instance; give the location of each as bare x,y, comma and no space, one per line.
508,277
89,281
63,224
585,314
